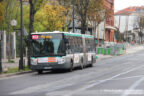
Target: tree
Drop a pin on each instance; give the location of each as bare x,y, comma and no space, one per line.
50,18
67,13
1,11
87,10
96,14
9,9
82,9
35,5
1,18
141,27
139,24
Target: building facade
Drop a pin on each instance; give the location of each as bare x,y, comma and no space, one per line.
105,30
109,27
127,21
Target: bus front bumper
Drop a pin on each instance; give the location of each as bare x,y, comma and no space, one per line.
50,66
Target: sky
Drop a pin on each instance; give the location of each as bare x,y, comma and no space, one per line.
121,4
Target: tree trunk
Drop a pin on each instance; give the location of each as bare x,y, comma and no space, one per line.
9,49
83,23
32,12
98,36
83,27
31,28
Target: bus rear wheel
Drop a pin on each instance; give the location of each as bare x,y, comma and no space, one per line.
40,71
81,65
91,65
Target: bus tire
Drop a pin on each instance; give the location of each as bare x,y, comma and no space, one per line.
91,65
71,66
81,65
40,71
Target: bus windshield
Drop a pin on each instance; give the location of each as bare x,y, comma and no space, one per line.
48,45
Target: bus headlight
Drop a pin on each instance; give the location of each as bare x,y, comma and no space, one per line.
61,60
34,61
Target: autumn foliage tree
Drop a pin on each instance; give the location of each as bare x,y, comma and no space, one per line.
96,14
67,13
50,17
35,5
87,11
1,11
82,9
9,9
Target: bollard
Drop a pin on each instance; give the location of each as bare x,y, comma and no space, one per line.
102,50
98,50
105,51
109,51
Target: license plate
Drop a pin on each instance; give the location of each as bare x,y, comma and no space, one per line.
51,59
47,67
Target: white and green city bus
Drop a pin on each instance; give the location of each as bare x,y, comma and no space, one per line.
61,50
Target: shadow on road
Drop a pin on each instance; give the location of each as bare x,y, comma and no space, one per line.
60,71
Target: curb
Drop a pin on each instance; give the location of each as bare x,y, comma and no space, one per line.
13,74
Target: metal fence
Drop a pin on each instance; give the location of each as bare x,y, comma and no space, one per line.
117,49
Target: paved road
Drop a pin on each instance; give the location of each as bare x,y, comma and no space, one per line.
117,76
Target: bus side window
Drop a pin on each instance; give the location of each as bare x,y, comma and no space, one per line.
77,44
68,46
73,45
86,44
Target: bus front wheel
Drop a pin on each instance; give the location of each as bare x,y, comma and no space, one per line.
71,67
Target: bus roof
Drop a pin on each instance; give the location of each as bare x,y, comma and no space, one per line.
67,34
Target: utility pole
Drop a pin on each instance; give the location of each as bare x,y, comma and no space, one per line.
119,22
104,26
73,17
21,66
98,35
126,29
0,56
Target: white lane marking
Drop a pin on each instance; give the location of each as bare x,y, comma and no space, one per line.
67,81
97,92
129,77
100,82
127,93
52,86
120,78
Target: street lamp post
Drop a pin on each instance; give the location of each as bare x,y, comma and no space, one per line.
21,66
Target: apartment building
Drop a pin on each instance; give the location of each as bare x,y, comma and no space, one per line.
109,27
127,21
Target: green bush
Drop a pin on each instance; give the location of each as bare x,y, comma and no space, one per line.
11,61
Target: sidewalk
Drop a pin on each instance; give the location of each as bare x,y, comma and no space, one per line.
129,50
6,64
134,49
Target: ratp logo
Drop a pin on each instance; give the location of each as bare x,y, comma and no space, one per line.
35,37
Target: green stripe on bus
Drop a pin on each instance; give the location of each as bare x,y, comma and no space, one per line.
76,35
88,36
46,57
